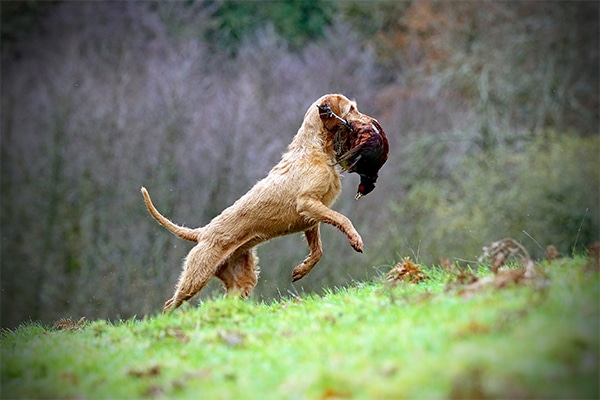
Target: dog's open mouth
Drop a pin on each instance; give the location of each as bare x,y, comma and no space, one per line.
359,147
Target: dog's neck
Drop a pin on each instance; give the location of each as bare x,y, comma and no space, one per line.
313,140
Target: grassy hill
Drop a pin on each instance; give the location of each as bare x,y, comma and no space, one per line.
467,335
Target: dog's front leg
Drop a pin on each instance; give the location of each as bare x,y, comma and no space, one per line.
313,237
316,211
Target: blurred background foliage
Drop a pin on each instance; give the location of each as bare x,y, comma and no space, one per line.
491,109
296,21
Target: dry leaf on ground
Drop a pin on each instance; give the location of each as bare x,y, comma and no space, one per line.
69,324
154,370
594,256
552,253
448,265
406,271
498,254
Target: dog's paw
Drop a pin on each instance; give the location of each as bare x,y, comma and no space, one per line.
356,242
170,305
299,272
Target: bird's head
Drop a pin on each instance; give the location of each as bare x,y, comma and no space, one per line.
366,186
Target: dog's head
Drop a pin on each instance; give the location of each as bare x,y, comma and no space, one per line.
359,142
332,107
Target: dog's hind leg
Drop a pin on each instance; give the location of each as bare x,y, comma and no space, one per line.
313,237
240,273
200,265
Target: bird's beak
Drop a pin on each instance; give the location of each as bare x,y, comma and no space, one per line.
358,195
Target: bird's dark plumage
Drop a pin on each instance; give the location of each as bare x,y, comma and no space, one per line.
360,146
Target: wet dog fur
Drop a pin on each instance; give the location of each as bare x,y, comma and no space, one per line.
295,197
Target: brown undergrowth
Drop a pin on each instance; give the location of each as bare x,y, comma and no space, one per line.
69,324
499,254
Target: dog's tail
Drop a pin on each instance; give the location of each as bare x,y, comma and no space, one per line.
180,231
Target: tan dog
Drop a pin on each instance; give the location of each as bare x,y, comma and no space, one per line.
294,197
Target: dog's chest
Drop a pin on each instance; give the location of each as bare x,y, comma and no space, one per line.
335,188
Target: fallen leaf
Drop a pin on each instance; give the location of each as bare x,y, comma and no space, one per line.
552,253
461,279
69,324
151,371
594,256
499,252
448,265
330,393
473,328
404,271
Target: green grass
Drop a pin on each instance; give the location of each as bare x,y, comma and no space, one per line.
372,340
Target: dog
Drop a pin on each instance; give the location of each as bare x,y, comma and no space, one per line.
294,197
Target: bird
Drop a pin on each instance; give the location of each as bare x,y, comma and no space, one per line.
368,151
360,146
